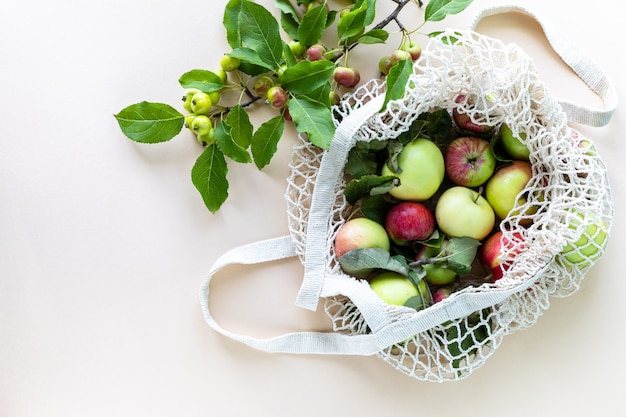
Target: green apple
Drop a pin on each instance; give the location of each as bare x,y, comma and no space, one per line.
590,245
360,232
436,273
396,289
462,211
422,171
504,187
514,145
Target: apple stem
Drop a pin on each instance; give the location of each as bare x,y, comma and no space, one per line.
423,261
478,194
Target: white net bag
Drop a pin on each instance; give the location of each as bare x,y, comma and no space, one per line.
555,234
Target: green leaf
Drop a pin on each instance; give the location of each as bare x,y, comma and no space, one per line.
233,135
307,76
265,141
231,22
290,58
321,94
314,119
375,208
374,36
312,26
369,185
360,262
459,253
241,128
437,10
286,7
250,56
203,80
209,177
147,122
290,25
397,80
259,31
370,9
351,24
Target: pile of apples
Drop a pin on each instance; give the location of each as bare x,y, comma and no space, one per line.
460,189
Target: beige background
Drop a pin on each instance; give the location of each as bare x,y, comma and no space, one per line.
104,243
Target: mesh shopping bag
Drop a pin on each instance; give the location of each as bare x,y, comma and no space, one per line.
564,219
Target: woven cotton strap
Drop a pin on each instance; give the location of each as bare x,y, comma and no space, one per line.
584,67
330,342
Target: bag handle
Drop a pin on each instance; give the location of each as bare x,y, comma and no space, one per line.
584,67
307,342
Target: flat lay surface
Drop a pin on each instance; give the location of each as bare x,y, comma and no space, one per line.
104,242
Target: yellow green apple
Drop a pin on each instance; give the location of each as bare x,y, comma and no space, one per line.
422,170
504,187
514,145
591,243
462,211
396,289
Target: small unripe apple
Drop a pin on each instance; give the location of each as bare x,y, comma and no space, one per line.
462,211
229,63
262,85
207,138
297,49
408,222
201,103
385,64
222,74
514,145
413,48
399,55
315,52
201,125
396,289
334,98
187,98
491,252
358,233
422,170
347,77
277,97
469,161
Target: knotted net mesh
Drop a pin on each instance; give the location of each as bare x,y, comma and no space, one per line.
554,234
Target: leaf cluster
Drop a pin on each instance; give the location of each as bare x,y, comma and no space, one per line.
265,45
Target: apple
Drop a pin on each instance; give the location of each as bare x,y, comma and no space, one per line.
590,245
396,289
491,251
422,170
464,121
360,232
409,221
469,161
346,76
504,187
461,211
514,145
315,52
441,294
436,273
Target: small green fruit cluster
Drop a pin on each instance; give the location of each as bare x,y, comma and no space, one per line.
200,106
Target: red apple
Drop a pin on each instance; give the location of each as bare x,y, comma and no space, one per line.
441,294
491,252
409,221
464,121
315,52
469,161
360,233
347,77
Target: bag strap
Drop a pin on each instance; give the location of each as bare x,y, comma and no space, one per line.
328,176
307,342
584,67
